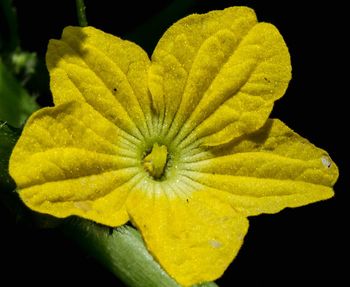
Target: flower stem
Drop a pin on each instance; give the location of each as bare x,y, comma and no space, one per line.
122,251
81,13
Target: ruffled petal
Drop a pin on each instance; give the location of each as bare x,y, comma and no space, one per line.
215,76
266,171
105,71
193,235
72,161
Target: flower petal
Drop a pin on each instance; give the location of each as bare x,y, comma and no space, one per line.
267,171
215,76
72,161
194,238
108,73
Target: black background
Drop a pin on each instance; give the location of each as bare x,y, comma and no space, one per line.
300,247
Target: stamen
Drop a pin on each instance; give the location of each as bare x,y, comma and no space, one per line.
155,162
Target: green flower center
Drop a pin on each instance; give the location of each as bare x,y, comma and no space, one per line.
155,162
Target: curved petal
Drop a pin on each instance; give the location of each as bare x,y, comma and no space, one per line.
215,76
267,171
194,237
105,71
72,161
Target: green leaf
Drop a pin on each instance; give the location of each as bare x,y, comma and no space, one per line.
23,63
8,138
15,103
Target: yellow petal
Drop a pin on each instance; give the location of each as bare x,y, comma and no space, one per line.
108,73
215,76
72,161
194,236
267,171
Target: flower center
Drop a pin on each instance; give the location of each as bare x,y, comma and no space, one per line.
155,162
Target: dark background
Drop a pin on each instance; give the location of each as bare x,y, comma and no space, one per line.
300,247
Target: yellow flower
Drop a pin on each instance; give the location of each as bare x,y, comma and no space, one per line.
180,145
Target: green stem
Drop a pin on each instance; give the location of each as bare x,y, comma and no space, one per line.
122,251
10,16
81,13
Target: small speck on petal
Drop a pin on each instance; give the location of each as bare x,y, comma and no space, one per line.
326,161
